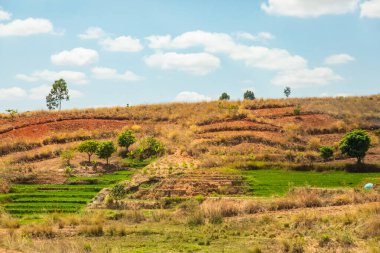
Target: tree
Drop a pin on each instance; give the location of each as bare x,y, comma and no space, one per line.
105,150
249,95
287,91
90,147
12,113
57,93
224,96
326,152
355,144
126,139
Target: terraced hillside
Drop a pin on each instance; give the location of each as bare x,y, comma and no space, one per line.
209,135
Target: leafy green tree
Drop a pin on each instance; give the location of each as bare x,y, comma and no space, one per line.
126,139
57,93
326,152
249,95
89,147
355,144
224,96
105,150
287,91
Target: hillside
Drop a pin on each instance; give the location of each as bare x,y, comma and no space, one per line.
254,157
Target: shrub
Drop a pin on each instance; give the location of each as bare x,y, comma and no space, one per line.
149,147
326,152
105,150
377,132
118,191
297,110
314,143
38,231
67,155
91,230
355,144
126,139
89,147
196,219
4,186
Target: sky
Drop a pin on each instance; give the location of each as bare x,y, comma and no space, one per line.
120,52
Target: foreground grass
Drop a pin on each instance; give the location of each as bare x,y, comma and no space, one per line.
278,182
336,229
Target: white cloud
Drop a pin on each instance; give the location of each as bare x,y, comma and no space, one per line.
12,93
254,56
339,59
262,36
370,9
159,41
291,68
193,63
122,44
26,27
51,76
306,77
40,92
111,74
92,33
77,56
4,15
26,78
190,96
308,8
36,93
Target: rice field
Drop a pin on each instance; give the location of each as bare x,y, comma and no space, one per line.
67,198
278,182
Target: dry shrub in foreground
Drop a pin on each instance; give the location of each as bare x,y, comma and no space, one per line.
297,198
38,231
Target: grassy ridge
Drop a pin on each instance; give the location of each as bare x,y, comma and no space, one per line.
278,182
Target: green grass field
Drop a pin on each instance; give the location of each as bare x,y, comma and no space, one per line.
37,199
278,182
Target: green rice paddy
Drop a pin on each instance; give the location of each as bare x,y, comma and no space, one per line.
64,198
278,182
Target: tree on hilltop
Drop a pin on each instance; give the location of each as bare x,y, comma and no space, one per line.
57,93
224,96
287,91
249,95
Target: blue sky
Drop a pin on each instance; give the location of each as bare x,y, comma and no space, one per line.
132,52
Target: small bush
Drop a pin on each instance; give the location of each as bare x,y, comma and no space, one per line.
91,230
118,191
4,186
196,219
135,216
216,218
326,152
67,155
148,147
377,132
38,231
324,240
297,110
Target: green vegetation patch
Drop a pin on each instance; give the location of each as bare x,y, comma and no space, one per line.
278,182
67,198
